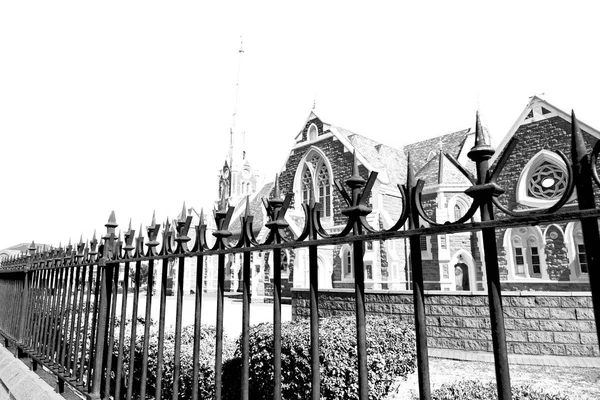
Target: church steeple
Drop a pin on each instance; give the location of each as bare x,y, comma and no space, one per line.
237,179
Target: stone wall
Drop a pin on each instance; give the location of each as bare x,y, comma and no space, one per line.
560,324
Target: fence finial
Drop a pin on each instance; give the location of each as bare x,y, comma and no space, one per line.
153,219
140,234
32,247
201,216
277,191
183,213
482,150
247,211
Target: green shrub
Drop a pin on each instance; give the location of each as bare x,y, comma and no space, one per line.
475,390
390,354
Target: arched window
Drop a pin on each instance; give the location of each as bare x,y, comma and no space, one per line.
457,212
324,190
347,263
315,180
581,256
312,132
526,253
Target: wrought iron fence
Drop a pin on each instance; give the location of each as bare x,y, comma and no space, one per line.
60,306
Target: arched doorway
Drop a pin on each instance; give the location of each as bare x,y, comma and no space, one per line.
461,272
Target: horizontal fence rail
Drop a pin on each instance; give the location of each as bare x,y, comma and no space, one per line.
65,309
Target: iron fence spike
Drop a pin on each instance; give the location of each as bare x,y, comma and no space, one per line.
247,211
183,212
153,218
277,190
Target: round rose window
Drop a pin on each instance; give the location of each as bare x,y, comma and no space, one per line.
548,181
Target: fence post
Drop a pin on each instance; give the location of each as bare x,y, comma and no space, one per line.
104,303
416,264
483,193
589,226
25,302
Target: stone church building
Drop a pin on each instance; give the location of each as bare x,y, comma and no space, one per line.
544,257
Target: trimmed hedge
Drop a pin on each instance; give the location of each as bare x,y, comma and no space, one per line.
475,390
207,360
390,354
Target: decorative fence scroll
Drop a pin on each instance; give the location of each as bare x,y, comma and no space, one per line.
59,306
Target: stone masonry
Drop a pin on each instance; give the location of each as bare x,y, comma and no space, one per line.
537,323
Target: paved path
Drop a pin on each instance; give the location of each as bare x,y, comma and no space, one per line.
522,359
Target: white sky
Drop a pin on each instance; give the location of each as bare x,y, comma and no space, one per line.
127,106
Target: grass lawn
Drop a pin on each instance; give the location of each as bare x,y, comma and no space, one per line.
577,383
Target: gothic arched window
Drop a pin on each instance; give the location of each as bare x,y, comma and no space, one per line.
324,190
316,178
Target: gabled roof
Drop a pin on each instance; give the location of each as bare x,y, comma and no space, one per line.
538,109
389,162
451,143
256,209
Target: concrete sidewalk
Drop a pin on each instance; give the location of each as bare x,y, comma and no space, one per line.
523,359
17,382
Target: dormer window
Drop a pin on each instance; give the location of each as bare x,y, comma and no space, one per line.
312,132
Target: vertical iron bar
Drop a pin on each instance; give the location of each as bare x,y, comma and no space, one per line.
55,314
361,323
119,371
416,266
86,316
246,326
313,266
103,306
484,192
277,323
197,324
219,344
589,226
94,331
68,309
41,312
150,287
49,313
134,312
178,319
75,311
420,320
161,327
111,329
25,305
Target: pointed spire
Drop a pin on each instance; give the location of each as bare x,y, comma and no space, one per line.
183,212
354,164
277,191
80,239
32,246
153,218
129,228
482,150
201,216
247,211
140,232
